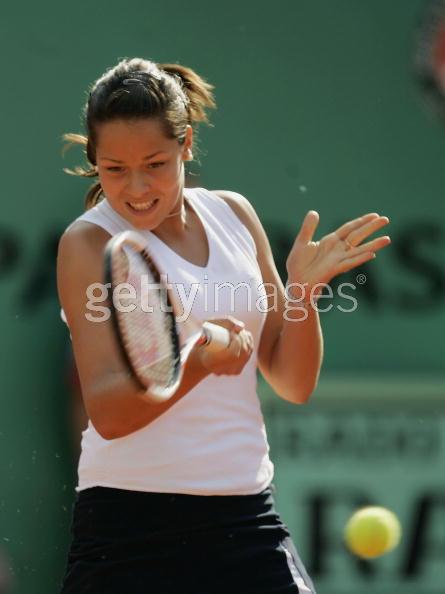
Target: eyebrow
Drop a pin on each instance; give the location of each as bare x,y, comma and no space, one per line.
144,158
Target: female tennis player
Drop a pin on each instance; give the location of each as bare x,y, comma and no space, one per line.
177,496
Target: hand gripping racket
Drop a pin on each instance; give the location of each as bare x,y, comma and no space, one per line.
144,313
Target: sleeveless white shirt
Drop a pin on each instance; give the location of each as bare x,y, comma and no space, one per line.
213,441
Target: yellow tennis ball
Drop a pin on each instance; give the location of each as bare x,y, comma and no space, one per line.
372,531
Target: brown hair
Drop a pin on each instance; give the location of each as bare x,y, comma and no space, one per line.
137,88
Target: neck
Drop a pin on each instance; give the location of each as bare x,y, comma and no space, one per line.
179,211
175,223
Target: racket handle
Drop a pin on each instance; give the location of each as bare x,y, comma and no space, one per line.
215,338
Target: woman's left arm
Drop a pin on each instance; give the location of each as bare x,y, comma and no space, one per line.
290,353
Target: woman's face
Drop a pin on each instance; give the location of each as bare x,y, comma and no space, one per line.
141,170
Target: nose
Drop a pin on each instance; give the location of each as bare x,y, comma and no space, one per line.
138,185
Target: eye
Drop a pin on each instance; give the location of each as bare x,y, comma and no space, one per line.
115,169
156,165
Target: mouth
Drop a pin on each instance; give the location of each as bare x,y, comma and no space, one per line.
143,207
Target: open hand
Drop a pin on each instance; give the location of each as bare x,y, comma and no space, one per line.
314,262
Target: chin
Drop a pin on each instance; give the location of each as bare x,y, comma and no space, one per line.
143,226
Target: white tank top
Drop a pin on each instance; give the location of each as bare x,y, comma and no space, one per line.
213,441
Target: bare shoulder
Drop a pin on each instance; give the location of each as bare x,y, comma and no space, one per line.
79,263
240,205
80,248
80,238
247,215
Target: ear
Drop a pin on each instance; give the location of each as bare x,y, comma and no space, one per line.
187,153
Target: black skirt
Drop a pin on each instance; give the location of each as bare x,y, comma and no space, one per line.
130,542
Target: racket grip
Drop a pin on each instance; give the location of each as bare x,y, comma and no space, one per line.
216,338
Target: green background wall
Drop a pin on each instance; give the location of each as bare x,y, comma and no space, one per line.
318,109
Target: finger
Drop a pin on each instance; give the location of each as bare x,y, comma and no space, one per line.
237,325
250,342
370,246
247,340
343,231
229,322
357,236
308,227
350,263
235,345
243,341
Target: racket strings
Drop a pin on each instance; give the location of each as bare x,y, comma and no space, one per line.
146,324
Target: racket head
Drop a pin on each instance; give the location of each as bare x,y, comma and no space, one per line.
145,327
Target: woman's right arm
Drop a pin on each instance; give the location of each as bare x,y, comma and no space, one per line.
113,398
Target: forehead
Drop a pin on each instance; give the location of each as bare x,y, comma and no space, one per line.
128,139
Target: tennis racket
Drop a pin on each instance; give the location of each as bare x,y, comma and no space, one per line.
144,315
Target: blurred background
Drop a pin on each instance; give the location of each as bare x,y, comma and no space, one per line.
333,105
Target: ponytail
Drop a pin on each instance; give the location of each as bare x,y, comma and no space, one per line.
197,90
